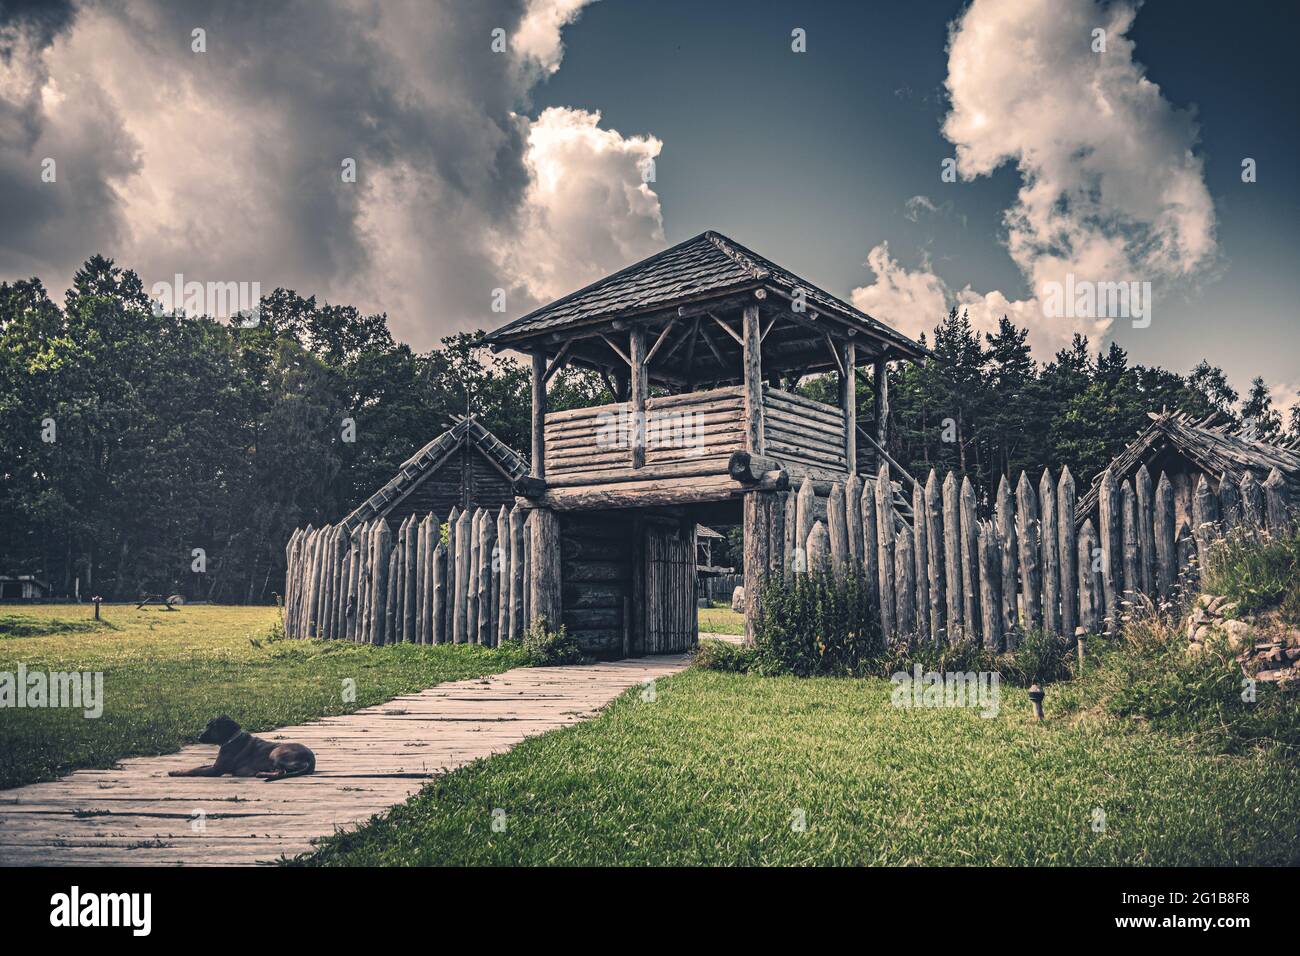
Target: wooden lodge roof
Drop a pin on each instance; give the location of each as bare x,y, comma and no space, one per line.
1213,449
708,267
466,431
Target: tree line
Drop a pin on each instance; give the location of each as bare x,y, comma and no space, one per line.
147,452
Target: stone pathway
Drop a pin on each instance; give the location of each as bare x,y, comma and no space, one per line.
366,762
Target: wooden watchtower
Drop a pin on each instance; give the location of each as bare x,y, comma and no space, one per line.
702,345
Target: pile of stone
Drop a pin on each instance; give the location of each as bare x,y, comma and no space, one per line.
1265,649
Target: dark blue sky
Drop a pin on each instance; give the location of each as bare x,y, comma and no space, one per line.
810,158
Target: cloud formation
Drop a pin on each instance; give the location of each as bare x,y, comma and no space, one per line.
1111,189
227,164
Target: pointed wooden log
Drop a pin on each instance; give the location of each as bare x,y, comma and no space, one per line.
990,584
422,593
1146,510
1277,505
343,608
313,580
776,535
1089,564
323,605
501,578
870,550
921,573
453,555
383,546
438,600
1205,521
805,511
1129,536
1108,534
885,558
392,633
486,597
952,560
1027,539
817,548
853,521
409,593
475,569
528,570
287,611
460,590
1004,518
1049,542
905,581
518,573
1252,504
970,553
1185,558
837,528
935,560
364,546
1163,525
431,541
1229,502
1068,552
354,578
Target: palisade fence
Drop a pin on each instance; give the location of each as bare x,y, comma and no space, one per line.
461,582
956,578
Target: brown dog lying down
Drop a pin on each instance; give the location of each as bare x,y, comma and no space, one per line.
243,755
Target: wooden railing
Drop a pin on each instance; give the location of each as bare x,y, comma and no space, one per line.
804,433
693,433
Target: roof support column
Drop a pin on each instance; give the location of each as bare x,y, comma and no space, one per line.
849,405
638,396
539,416
752,341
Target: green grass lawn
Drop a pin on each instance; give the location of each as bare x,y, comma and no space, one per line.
717,768
721,620
167,673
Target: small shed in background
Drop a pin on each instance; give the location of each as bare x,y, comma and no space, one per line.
465,467
1185,449
23,587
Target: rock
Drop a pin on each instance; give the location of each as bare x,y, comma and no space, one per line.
1292,653
738,600
1216,604
1240,634
1203,600
1191,627
1201,634
1293,637
1194,649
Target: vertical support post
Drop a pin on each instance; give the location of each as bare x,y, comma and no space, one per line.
849,406
757,530
753,348
545,567
638,396
538,469
881,373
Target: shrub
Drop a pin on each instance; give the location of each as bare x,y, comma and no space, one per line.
717,655
547,648
1259,574
817,623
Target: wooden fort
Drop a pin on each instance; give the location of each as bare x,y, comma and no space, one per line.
702,345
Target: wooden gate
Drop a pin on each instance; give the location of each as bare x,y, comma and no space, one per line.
669,587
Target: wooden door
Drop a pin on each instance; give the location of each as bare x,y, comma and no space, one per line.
669,587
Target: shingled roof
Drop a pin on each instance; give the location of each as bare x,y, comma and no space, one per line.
465,431
1213,449
705,267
